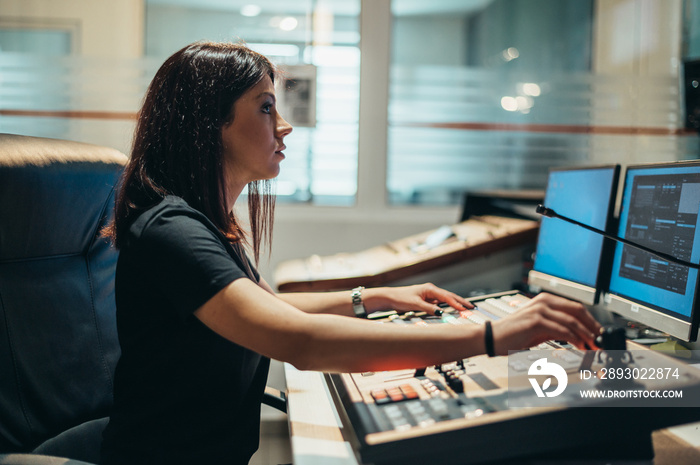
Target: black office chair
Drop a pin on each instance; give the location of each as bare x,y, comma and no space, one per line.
58,337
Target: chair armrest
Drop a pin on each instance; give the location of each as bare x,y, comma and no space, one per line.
272,397
35,459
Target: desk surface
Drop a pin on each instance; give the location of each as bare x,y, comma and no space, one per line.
315,429
317,432
403,258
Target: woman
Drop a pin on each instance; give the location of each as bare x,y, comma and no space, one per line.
197,324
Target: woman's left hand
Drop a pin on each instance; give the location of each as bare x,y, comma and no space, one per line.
420,297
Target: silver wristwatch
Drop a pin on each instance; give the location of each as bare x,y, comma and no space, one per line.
357,305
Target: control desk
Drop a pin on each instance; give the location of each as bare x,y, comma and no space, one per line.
463,412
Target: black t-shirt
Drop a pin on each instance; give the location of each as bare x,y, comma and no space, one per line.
182,393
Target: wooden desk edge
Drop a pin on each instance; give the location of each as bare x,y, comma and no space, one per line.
498,244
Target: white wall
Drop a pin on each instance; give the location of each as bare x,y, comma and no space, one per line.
637,37
103,27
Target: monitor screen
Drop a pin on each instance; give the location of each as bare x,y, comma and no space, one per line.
659,210
568,257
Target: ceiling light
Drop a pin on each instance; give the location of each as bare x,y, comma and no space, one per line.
289,23
509,103
251,10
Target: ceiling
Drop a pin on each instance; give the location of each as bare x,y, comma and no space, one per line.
339,7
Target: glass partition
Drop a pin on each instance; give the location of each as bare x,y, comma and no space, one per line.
490,94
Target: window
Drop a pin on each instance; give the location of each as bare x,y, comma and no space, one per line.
85,82
491,94
321,36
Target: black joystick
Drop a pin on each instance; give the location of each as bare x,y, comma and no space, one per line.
612,338
614,354
419,372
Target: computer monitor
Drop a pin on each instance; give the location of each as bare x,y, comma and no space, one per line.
659,209
568,258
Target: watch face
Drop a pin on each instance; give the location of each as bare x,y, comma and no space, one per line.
357,305
357,295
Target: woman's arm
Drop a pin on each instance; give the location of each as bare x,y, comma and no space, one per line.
423,297
246,314
336,303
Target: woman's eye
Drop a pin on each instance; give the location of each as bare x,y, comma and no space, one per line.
267,108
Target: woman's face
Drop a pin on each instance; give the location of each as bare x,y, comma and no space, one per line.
253,141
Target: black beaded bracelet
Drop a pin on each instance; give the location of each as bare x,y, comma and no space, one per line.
488,339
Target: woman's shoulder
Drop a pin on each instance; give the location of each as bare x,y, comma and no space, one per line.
171,215
169,203
172,228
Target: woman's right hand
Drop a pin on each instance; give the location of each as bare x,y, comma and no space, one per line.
544,318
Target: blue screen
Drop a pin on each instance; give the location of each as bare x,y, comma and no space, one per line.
565,250
660,210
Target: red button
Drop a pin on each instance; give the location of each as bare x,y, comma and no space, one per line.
409,392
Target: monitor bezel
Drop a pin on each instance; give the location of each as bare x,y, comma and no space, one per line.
584,293
659,318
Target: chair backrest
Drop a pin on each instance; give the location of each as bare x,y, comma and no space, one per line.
58,338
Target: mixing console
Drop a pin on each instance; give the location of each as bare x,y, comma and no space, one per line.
463,412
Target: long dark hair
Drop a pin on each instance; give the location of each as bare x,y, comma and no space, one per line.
177,148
